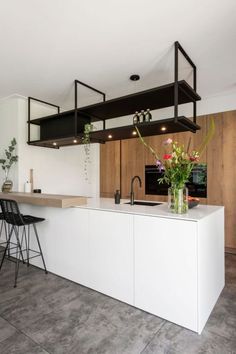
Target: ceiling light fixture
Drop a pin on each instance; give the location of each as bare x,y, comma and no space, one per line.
134,77
163,129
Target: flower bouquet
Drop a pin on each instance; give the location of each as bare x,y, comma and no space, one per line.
177,164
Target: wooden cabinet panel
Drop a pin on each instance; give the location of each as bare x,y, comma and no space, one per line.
110,174
229,177
221,157
132,153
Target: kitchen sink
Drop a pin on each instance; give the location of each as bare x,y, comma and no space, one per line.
136,202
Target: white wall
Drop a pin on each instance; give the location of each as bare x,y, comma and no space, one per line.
59,171
8,130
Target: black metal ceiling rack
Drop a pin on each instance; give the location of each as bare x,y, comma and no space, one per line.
66,128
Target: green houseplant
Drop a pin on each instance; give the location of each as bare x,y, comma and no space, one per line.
88,128
9,159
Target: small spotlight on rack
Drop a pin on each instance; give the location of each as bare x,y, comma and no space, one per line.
109,136
54,143
134,132
163,129
75,141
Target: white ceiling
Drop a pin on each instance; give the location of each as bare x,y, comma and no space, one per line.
46,44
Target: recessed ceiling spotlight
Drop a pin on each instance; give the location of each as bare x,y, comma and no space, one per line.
55,144
134,132
163,129
134,77
75,141
109,136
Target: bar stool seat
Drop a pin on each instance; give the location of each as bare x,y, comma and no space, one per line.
15,220
29,219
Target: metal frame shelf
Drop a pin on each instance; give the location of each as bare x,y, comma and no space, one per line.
69,125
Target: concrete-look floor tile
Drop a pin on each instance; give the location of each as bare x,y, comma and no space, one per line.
102,325
7,275
20,344
223,318
58,316
173,339
55,331
116,328
230,266
25,306
6,329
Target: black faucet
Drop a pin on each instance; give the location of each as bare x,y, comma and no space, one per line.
132,188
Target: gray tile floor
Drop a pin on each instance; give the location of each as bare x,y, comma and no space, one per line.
48,314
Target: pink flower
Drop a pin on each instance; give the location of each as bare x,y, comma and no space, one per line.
168,141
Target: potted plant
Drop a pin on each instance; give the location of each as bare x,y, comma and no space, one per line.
10,159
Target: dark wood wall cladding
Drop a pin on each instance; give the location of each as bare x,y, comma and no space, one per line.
120,161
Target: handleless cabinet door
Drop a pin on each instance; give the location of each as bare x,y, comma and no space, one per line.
166,268
111,254
64,240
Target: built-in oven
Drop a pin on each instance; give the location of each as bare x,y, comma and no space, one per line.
197,184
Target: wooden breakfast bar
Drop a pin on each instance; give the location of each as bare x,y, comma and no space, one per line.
46,200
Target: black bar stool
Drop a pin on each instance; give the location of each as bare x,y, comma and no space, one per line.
15,220
2,222
3,226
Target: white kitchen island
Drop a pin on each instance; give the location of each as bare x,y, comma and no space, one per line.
169,265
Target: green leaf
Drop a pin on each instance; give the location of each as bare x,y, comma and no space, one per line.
13,142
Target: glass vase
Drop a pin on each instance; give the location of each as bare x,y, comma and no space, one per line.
7,184
178,200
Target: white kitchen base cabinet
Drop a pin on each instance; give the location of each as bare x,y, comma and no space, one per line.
169,265
179,267
111,254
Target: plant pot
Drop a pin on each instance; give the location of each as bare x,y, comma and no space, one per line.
7,186
178,200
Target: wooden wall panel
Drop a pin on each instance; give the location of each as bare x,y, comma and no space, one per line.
132,153
229,181
110,168
220,156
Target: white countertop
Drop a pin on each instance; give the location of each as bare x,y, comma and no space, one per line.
108,204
